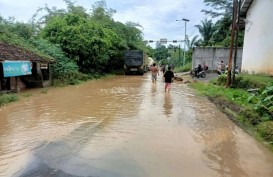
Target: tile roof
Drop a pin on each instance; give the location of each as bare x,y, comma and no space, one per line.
14,53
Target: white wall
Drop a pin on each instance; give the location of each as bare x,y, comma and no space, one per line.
258,42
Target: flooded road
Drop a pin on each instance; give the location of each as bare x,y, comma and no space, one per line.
125,126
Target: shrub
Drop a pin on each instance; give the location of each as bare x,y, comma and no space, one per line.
265,129
263,101
247,81
251,116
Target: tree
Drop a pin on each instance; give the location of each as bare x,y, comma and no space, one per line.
161,52
194,42
86,42
206,30
220,8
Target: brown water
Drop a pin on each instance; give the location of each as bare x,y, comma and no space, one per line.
125,126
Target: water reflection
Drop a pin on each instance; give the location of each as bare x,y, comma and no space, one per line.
218,136
153,88
167,105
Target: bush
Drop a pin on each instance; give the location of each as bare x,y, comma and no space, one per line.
7,98
263,101
265,129
251,116
247,81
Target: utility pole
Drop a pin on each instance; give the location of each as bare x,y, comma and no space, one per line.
236,44
234,16
179,56
186,39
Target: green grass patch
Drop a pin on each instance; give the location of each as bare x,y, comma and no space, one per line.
184,68
247,81
7,98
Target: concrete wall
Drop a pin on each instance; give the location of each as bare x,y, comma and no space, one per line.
212,56
258,41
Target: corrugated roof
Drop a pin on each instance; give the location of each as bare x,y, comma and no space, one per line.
14,53
245,6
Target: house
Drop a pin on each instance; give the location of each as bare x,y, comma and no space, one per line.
258,40
20,68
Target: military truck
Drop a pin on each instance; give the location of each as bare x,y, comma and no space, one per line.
135,62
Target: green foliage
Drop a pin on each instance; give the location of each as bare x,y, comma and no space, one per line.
81,39
246,81
184,68
91,42
206,29
73,78
63,65
95,41
222,35
7,98
18,34
160,53
218,8
263,101
265,129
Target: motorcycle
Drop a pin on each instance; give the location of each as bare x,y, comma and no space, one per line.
197,74
225,71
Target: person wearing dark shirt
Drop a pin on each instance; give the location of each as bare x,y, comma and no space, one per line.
199,69
168,79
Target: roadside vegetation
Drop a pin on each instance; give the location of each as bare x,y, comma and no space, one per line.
84,44
7,98
184,68
249,103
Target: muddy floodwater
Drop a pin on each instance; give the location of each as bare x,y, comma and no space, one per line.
125,126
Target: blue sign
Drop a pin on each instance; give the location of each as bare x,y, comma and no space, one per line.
16,68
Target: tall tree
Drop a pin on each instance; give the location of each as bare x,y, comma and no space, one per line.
219,8
206,29
193,42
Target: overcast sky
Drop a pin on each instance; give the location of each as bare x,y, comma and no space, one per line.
158,17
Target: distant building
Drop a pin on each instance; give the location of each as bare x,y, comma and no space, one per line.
258,41
20,68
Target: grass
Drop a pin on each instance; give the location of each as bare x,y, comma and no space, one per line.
7,98
184,68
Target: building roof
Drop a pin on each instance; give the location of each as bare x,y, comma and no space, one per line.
13,53
245,6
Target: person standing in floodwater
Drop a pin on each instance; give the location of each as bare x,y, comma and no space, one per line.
155,72
168,79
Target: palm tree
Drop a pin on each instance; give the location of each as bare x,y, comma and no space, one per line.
206,29
194,42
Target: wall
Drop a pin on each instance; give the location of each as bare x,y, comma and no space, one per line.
258,41
212,56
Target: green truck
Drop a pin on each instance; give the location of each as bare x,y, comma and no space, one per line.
135,62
